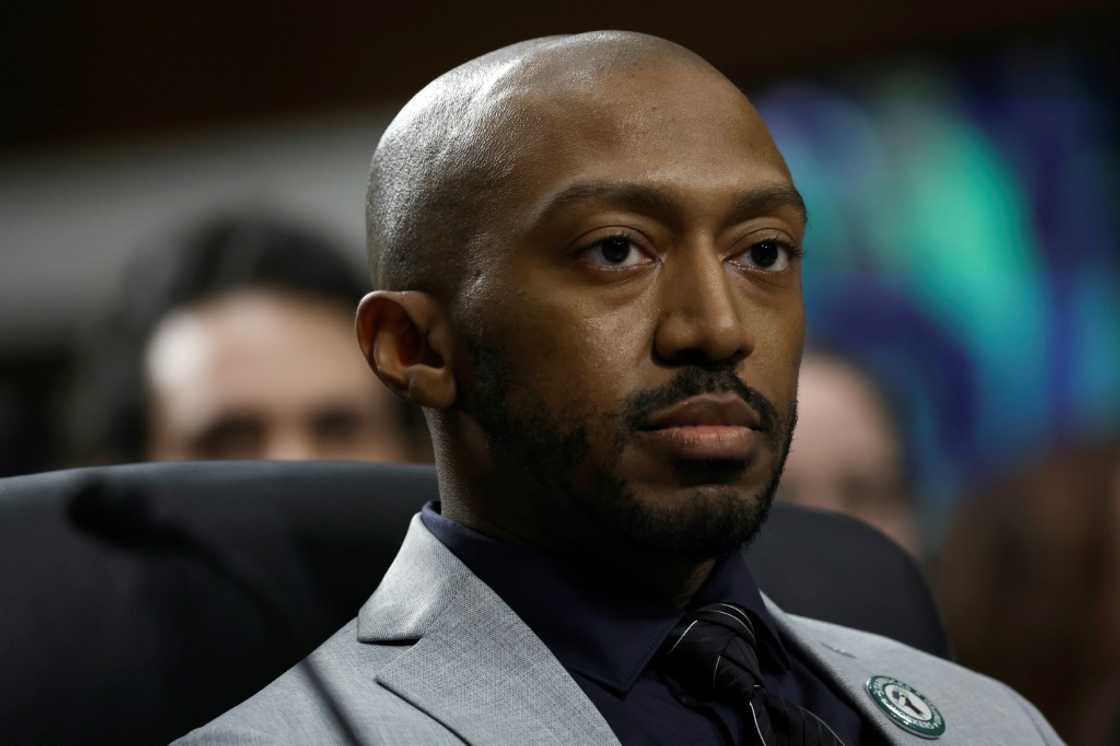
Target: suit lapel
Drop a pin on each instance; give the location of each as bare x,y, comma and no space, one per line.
475,666
975,709
843,668
481,672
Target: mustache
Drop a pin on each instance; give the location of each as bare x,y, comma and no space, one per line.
694,381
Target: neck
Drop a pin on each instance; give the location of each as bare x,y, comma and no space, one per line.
505,502
658,577
673,582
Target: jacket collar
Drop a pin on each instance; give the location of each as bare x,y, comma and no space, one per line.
975,709
475,666
478,669
591,627
829,655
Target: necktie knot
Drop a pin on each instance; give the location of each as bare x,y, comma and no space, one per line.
711,652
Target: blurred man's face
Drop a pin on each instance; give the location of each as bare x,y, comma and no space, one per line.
635,337
262,375
846,456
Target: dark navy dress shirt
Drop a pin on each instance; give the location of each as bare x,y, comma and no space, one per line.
607,641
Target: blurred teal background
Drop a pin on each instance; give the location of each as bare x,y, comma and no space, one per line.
963,245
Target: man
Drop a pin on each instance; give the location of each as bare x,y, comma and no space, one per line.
233,338
587,254
863,473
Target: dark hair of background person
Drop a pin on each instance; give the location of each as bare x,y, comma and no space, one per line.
1028,579
106,411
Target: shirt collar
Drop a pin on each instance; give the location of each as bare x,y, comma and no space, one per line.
593,630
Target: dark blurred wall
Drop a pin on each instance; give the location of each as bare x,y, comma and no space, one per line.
29,383
81,71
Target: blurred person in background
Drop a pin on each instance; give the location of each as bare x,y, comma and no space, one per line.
848,454
1029,583
234,338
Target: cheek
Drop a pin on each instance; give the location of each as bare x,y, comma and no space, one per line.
580,358
777,354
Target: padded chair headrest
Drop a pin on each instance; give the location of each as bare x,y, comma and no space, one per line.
124,589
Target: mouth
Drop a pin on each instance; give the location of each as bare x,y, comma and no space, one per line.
709,427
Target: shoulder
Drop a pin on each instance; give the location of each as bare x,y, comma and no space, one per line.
306,704
976,708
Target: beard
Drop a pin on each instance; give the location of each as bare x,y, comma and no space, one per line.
555,449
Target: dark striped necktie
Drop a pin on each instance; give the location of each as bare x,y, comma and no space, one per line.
712,654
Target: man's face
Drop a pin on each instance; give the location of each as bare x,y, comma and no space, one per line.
636,332
259,374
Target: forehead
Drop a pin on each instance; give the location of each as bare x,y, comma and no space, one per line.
254,350
677,126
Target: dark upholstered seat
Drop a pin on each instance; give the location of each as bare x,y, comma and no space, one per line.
140,601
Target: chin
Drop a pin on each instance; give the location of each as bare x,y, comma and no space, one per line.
693,521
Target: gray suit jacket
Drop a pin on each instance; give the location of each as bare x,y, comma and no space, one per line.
436,657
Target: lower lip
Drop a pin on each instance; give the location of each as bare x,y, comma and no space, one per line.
703,441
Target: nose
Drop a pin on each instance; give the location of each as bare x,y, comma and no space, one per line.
701,320
291,444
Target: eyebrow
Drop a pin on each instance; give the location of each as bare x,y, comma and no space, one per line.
762,200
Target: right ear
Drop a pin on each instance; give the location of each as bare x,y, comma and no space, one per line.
406,341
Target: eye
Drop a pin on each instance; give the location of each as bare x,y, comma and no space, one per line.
769,255
235,436
337,426
614,252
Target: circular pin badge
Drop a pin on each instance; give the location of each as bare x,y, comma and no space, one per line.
906,707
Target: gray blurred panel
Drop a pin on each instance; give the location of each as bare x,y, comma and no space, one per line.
68,220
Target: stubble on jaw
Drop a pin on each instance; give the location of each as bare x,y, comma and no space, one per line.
525,433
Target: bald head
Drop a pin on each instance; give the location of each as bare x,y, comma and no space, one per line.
440,170
568,235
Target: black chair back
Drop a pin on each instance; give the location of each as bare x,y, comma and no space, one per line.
138,602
